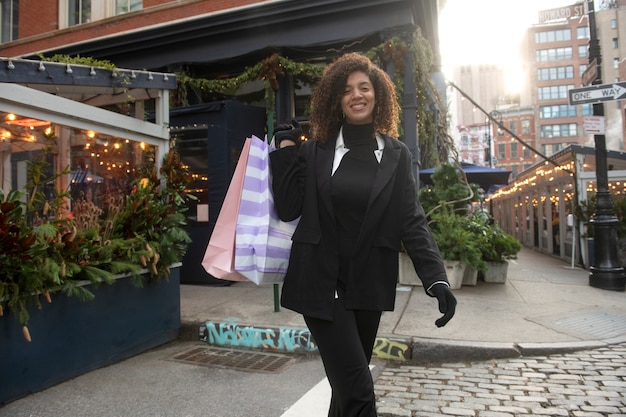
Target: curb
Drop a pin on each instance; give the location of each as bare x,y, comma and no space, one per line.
229,333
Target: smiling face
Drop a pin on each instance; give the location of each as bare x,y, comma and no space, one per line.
358,99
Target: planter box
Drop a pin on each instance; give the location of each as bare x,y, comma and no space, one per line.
470,276
71,337
406,271
455,271
496,272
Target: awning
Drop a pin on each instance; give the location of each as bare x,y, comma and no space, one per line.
486,177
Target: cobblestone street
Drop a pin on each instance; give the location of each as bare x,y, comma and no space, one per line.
581,384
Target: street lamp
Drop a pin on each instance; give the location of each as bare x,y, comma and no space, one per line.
606,272
494,115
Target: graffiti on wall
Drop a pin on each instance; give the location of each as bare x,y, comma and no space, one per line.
229,333
288,339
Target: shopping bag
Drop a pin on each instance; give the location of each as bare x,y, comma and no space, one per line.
263,241
220,252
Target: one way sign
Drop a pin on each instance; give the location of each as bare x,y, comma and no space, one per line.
597,93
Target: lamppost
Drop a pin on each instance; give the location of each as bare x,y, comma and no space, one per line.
494,115
606,272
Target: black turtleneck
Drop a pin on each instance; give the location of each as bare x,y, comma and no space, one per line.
351,185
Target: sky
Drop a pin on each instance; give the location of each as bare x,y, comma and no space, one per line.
496,25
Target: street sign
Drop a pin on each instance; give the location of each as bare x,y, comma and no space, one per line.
575,10
591,73
594,125
597,93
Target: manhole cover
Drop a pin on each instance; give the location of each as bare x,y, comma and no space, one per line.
234,359
590,323
598,324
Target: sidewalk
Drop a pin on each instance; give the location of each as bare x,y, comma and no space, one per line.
545,307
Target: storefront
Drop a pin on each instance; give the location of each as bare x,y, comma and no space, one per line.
536,206
98,140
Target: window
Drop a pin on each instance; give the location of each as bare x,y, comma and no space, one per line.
525,127
582,32
557,131
551,149
616,63
553,36
501,151
513,126
583,51
79,11
127,6
8,20
76,12
613,24
582,69
554,54
552,112
555,73
615,43
554,92
527,153
514,153
587,109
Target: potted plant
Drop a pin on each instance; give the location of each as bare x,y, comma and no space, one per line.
497,248
457,244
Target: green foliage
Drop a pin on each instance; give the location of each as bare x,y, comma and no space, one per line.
80,60
449,188
436,145
585,211
495,244
461,234
455,240
42,251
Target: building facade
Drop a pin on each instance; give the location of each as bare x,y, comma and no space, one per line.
556,56
513,138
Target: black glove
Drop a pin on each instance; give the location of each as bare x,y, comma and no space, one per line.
291,132
447,303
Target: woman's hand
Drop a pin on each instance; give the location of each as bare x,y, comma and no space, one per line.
447,303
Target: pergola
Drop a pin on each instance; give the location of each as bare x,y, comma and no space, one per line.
534,207
80,103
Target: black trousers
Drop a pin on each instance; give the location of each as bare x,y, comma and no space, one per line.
345,345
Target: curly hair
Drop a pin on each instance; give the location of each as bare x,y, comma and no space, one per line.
326,114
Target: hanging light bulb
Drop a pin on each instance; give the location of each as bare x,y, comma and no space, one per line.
10,65
68,69
41,66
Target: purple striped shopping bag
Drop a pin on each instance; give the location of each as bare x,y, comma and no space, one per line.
262,241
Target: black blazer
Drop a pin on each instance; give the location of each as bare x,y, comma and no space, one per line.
301,186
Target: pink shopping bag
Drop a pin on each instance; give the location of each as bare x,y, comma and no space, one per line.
219,258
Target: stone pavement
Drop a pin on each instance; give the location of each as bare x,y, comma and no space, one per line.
545,307
580,384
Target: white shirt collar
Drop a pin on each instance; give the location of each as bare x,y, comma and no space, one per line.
341,150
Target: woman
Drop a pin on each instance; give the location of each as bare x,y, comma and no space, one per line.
354,191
